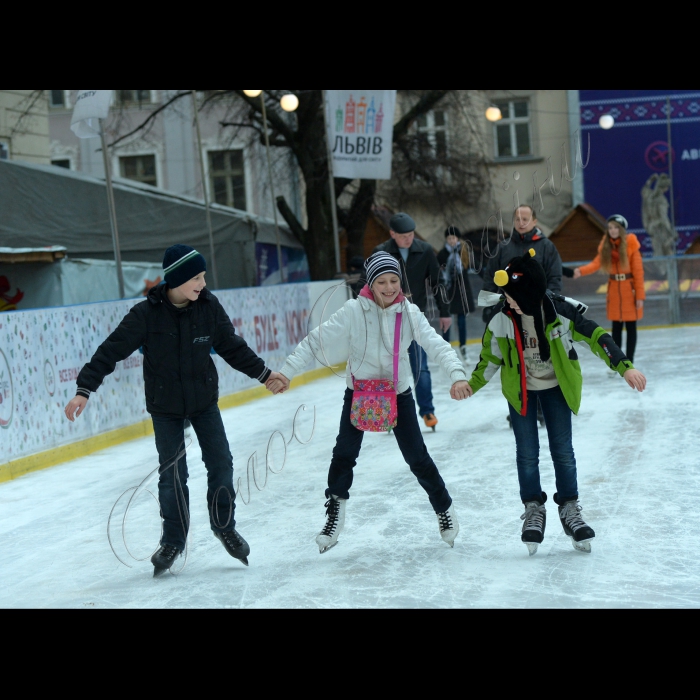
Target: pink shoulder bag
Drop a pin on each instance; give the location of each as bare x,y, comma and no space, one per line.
374,405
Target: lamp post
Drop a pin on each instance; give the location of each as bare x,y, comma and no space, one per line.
288,103
493,113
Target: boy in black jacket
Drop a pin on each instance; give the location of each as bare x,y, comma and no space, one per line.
177,326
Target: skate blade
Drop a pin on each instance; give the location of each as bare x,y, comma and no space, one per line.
158,572
323,550
532,547
583,546
243,560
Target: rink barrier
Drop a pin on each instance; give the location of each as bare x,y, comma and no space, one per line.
82,448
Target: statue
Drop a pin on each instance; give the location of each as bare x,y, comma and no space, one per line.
655,215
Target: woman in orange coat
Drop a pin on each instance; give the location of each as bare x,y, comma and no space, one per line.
620,257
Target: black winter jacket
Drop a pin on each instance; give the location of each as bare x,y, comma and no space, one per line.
452,290
180,377
421,265
546,255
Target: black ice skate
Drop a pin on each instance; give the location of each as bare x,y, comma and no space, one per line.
234,544
164,558
535,517
335,519
573,524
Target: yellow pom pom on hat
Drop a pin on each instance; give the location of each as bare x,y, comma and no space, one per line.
500,279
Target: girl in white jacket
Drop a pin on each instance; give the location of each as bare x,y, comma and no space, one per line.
365,327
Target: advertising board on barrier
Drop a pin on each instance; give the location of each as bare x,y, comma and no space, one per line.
43,350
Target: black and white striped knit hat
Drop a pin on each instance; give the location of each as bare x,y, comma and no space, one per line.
379,264
180,264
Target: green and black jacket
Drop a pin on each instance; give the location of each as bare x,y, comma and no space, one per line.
502,347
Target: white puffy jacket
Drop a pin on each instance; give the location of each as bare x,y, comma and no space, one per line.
363,334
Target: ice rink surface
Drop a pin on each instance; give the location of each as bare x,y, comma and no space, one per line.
639,483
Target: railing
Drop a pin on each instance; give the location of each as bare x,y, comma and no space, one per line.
672,285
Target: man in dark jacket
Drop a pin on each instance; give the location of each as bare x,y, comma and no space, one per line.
525,235
420,270
177,326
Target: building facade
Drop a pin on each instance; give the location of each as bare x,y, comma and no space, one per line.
24,126
165,154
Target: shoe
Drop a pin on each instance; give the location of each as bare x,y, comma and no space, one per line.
430,420
448,525
335,520
574,526
234,544
535,517
463,352
164,558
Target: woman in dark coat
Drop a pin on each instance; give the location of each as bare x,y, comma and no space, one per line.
453,261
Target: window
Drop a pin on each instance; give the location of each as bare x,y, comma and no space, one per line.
134,97
139,168
61,162
4,151
432,132
57,99
512,132
227,178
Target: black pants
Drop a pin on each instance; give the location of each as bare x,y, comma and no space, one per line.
631,337
410,439
173,493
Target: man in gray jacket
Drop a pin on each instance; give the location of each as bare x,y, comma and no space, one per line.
420,269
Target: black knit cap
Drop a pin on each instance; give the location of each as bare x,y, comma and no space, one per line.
402,223
525,281
452,231
180,264
380,263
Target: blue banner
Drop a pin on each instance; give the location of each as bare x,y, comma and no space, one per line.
635,152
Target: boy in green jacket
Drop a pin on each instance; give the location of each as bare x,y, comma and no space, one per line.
532,341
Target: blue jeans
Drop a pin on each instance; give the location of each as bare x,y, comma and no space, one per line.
557,417
410,440
421,376
462,330
173,492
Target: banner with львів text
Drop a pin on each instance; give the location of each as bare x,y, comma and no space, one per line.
360,130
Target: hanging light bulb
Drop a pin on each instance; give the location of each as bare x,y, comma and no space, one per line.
493,114
289,102
606,121
252,93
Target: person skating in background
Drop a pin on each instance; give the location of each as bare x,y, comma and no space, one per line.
620,258
177,326
367,328
531,339
525,235
454,266
420,270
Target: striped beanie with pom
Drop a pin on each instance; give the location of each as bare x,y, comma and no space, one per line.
379,264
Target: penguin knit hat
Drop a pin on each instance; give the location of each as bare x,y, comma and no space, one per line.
379,264
180,264
525,281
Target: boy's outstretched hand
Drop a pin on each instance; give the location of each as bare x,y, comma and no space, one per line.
277,383
75,407
460,390
635,379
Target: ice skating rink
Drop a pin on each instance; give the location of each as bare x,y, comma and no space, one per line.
639,482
